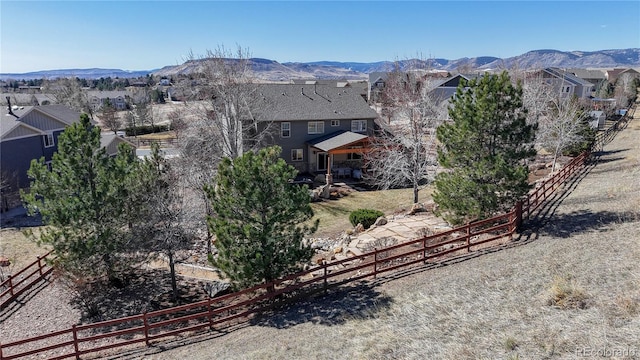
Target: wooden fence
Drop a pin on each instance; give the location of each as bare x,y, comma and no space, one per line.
16,284
217,314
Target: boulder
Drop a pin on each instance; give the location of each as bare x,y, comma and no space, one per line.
359,228
380,221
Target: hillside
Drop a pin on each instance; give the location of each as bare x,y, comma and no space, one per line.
270,70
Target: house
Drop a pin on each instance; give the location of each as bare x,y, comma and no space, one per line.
596,77
565,83
319,128
31,132
613,75
117,98
27,99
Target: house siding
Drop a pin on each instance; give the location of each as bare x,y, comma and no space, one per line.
41,121
16,156
300,136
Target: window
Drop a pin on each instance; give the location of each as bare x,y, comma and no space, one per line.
296,155
354,156
315,127
335,122
285,129
358,125
48,140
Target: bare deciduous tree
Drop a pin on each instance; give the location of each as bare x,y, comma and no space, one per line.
109,117
405,151
562,126
217,120
69,92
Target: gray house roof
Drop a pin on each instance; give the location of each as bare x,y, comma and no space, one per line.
336,140
568,76
292,102
27,115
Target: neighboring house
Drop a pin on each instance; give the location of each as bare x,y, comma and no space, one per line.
444,90
31,132
118,99
377,81
613,75
566,84
596,77
27,99
318,127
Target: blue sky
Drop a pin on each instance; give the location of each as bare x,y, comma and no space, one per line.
145,35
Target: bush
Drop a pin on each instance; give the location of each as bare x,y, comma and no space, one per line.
146,129
366,217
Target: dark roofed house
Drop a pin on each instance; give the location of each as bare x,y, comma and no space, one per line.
31,132
319,128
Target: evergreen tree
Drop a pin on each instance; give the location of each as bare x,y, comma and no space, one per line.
259,218
483,149
80,200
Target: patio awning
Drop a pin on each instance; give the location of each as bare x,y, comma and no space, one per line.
339,141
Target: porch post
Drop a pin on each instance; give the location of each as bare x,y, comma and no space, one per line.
329,176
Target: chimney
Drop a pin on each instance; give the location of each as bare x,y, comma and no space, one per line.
9,107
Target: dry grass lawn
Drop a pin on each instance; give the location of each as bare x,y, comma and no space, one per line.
334,214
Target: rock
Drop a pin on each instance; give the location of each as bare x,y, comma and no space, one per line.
380,221
359,228
337,250
214,288
416,208
4,261
319,261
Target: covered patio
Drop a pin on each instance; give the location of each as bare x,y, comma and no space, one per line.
339,154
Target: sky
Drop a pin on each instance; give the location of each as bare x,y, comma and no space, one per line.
147,35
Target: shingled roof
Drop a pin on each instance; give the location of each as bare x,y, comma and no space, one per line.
291,102
336,140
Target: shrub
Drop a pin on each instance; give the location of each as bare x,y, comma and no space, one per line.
146,129
566,294
366,217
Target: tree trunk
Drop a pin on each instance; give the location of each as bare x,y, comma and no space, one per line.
172,269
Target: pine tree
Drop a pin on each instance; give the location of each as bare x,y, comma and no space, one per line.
80,200
483,149
259,218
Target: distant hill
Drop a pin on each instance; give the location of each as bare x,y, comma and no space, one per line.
270,70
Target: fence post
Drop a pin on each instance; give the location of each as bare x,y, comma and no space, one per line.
469,237
424,249
10,284
39,265
75,342
375,262
518,215
146,328
210,313
324,265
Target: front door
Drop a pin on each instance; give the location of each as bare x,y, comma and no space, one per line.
321,162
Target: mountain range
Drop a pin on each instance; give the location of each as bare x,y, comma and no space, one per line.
270,70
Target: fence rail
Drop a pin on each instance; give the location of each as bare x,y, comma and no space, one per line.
16,284
221,312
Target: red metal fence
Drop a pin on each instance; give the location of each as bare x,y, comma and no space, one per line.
224,311
16,284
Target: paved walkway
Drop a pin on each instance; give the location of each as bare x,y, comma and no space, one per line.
401,227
